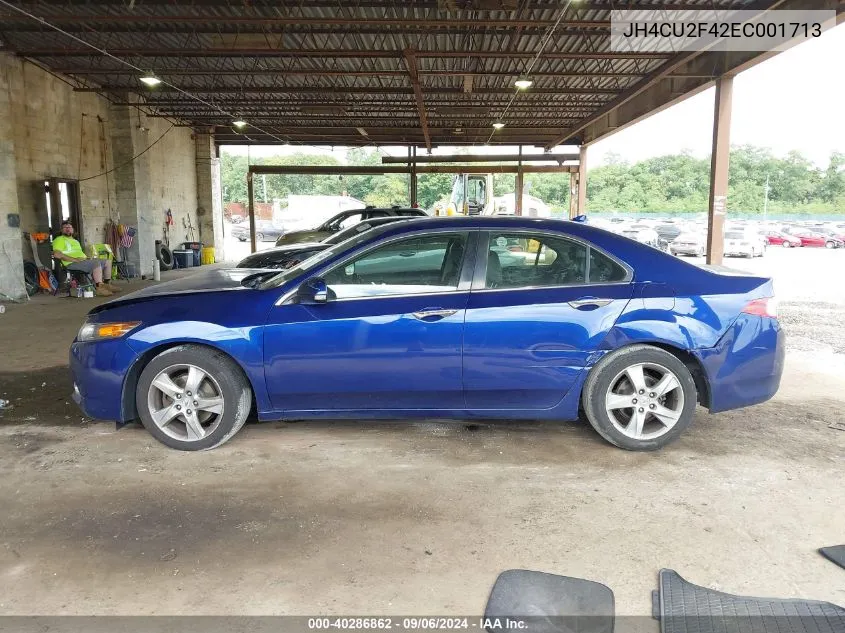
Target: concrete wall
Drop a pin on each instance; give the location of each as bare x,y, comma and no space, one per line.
48,130
173,178
11,271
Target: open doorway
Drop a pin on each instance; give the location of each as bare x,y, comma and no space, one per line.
63,203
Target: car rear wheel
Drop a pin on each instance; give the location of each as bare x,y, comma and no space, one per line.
192,398
639,398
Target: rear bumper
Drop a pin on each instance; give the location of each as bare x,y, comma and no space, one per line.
746,365
684,250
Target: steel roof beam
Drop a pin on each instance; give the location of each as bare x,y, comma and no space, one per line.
329,53
289,90
337,73
305,22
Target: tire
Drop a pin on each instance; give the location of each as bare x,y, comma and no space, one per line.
259,237
30,278
241,239
786,244
223,381
164,256
830,244
609,377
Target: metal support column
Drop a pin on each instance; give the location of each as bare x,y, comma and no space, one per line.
719,170
251,197
582,181
573,194
412,156
520,183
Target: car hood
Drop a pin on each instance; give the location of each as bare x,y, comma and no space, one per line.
211,280
263,258
298,237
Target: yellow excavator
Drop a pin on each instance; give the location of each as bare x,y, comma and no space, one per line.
472,194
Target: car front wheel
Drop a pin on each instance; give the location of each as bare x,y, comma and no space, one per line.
639,398
193,398
786,244
830,244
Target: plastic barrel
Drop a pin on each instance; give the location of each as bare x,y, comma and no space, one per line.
184,258
207,256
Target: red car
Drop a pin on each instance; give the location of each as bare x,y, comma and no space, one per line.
782,239
810,238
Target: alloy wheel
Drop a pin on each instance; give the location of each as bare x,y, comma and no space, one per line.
644,401
185,402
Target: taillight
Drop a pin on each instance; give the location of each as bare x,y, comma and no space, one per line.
766,307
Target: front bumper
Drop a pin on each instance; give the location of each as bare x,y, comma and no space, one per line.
746,365
99,370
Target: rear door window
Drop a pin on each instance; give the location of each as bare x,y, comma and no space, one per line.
523,260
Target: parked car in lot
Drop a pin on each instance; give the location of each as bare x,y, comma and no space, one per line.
778,238
641,233
688,244
425,319
744,243
837,235
265,231
289,255
666,234
345,219
814,239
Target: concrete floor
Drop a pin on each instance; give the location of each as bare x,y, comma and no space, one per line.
401,518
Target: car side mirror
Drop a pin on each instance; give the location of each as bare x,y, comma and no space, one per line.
313,291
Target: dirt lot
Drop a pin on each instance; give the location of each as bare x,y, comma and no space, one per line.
417,518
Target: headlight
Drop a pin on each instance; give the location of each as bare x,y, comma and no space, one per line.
102,331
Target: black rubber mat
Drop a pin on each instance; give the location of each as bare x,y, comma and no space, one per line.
547,603
835,554
688,608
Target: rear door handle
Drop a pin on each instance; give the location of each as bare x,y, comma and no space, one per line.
433,314
590,302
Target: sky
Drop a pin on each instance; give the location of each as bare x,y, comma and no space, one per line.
794,100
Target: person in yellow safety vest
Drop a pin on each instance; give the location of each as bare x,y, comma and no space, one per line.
69,251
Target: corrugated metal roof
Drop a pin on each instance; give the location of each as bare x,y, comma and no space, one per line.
270,61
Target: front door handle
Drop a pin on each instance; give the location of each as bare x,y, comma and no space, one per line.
589,302
433,314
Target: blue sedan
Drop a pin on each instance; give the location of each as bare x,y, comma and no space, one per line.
469,317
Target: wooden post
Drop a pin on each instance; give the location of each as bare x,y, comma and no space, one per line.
573,194
719,162
251,210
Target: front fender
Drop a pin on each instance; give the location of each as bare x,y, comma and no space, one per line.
243,344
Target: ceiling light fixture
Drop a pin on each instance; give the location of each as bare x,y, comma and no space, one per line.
523,83
239,123
498,125
150,80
